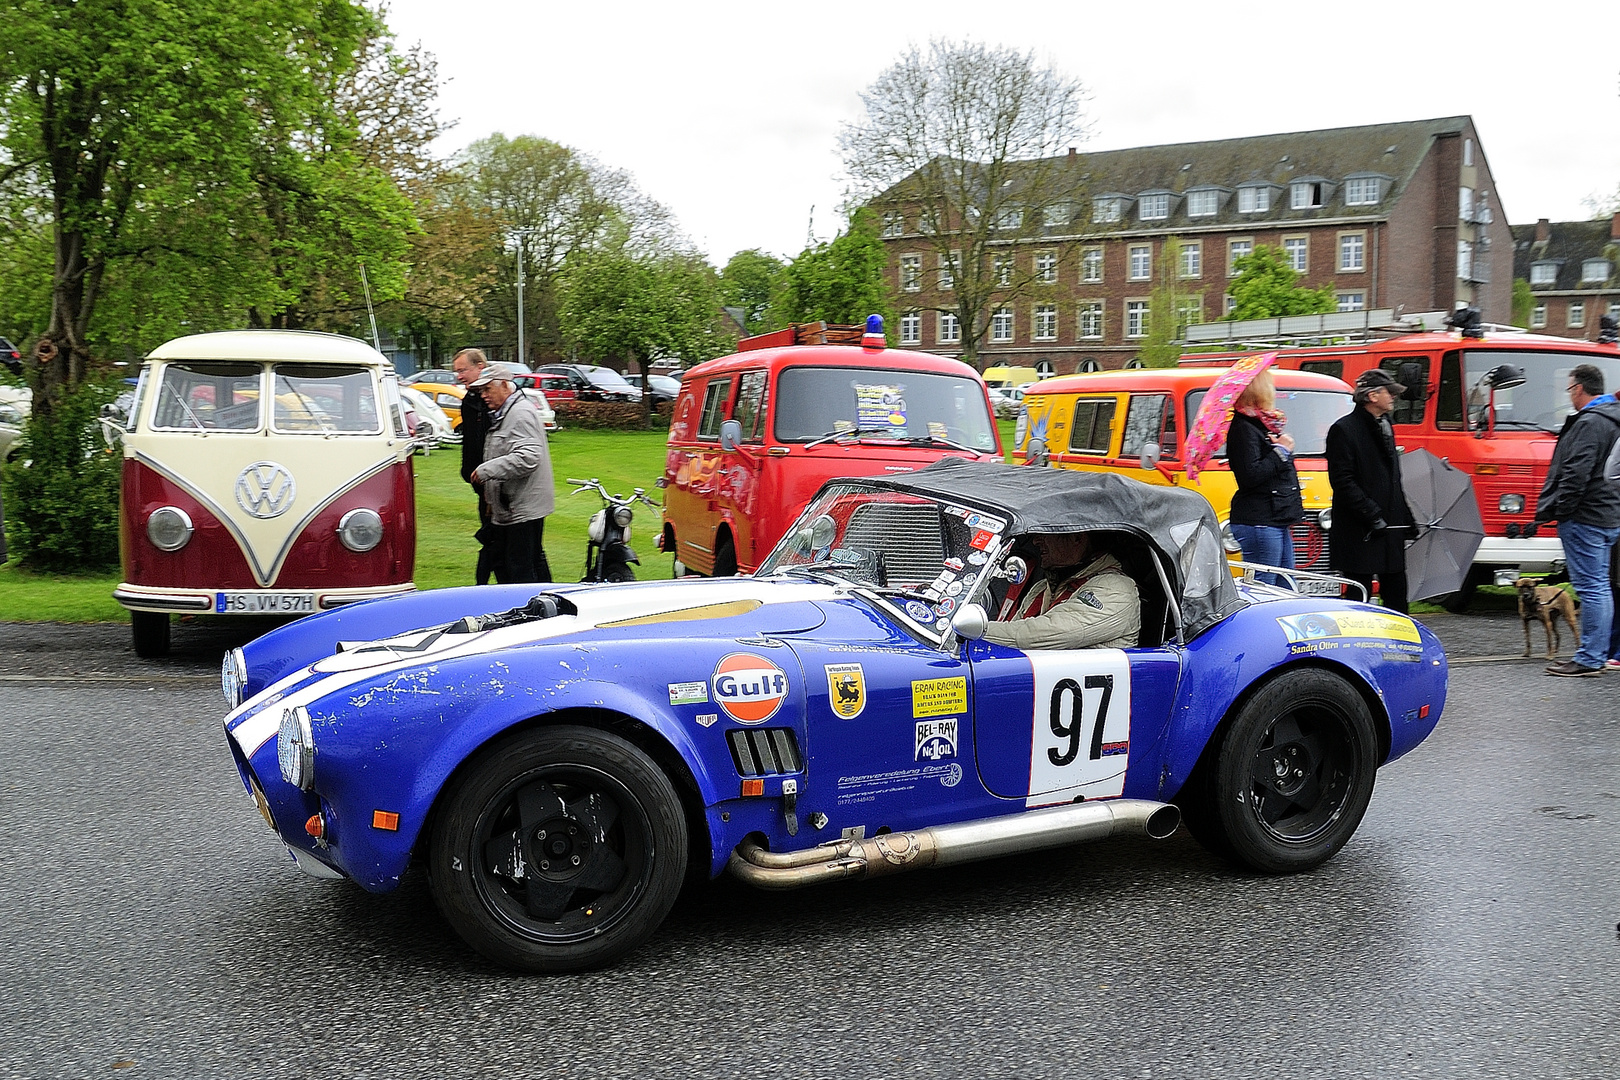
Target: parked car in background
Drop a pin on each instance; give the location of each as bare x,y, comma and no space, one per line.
592,383
10,356
11,425
433,375
431,421
447,396
662,387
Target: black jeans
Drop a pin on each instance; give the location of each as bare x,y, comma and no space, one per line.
1391,589
522,552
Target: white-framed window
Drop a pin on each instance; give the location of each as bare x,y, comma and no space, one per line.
1577,314
1107,209
1046,268
1002,267
1306,194
1543,273
1465,203
1192,258
1465,259
950,328
911,328
947,270
1091,319
928,222
1228,304
1235,250
1538,316
1594,270
1296,252
1203,203
1044,328
1352,301
1468,151
1141,262
1254,200
1057,215
1136,318
910,273
1189,311
1045,369
1091,262
1153,207
1352,252
1011,219
894,223
1001,324
1362,191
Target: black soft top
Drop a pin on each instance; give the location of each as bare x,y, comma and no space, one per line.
1179,525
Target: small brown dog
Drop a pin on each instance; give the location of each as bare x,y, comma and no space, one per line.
1548,603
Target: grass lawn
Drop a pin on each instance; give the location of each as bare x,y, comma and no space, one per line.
446,517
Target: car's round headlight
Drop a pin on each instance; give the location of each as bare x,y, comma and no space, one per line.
622,516
1228,541
360,530
169,528
295,748
1324,520
1511,504
233,677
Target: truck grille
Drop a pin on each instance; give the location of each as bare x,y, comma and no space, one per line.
907,534
764,751
1310,545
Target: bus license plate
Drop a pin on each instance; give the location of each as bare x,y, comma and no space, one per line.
259,603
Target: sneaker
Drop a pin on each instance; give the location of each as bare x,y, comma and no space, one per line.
1611,664
1571,670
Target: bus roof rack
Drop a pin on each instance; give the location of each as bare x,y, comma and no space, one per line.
1339,327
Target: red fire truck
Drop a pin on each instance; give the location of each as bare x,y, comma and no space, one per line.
1489,399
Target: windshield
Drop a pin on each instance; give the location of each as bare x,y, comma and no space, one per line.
1309,414
201,395
925,556
1542,401
813,402
326,398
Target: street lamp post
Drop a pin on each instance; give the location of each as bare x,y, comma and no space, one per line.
518,234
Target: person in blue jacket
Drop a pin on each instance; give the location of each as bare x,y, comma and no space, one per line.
1267,504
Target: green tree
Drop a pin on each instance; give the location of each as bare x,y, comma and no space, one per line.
1265,289
747,283
1523,302
617,305
1170,309
968,141
839,281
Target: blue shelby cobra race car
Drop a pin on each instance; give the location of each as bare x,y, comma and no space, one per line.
558,766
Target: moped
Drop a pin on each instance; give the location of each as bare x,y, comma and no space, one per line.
608,555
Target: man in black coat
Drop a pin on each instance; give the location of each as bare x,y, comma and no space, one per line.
1370,521
475,423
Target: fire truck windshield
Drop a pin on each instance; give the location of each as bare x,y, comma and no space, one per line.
1541,402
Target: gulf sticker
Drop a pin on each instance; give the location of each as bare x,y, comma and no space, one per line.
748,688
939,697
1363,624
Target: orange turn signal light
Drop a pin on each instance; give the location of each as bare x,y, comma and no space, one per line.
315,826
383,819
1487,470
753,787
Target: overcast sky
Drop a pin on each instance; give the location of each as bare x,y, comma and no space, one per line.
728,113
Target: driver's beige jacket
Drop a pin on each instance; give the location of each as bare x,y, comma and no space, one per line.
1098,608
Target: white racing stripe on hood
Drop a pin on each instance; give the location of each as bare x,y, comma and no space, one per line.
596,606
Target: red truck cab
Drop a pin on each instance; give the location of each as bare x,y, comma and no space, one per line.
754,435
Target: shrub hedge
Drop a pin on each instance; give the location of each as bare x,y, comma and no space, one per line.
61,494
617,415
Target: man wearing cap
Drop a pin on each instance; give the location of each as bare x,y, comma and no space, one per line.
468,365
1587,508
1370,521
514,477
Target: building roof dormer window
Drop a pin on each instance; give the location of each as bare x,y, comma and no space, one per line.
1544,272
1153,205
1365,189
1110,208
1205,201
1594,270
1309,193
1256,198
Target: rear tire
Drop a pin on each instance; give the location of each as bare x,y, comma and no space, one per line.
150,630
725,558
1292,777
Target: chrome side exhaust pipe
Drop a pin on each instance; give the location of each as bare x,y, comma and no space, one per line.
948,845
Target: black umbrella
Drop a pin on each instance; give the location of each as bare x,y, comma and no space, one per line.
1448,526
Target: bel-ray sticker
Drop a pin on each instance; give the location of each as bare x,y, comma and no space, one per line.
936,739
1081,724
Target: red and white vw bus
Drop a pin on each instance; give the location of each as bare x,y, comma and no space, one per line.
266,472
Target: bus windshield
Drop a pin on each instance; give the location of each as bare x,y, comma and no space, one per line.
1541,402
1308,413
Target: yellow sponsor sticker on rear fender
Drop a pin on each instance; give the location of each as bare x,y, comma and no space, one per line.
939,697
1385,626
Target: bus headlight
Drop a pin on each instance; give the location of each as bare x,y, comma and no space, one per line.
169,528
1324,520
1511,504
360,530
295,748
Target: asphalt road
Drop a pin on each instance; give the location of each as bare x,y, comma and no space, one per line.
151,926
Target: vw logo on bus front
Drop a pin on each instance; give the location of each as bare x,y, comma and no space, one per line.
265,489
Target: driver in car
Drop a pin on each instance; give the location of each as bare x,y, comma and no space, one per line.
1084,600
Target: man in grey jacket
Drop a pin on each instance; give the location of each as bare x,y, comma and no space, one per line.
515,477
1587,509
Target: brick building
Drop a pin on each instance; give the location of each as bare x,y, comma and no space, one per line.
1572,270
1401,216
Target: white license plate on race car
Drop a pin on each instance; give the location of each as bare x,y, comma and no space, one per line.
1313,587
263,603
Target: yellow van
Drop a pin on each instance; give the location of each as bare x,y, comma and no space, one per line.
1134,423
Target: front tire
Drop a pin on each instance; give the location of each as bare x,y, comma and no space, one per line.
150,631
559,849
1293,775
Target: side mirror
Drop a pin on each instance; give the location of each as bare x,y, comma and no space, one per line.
1036,452
730,435
1151,453
1014,570
970,622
